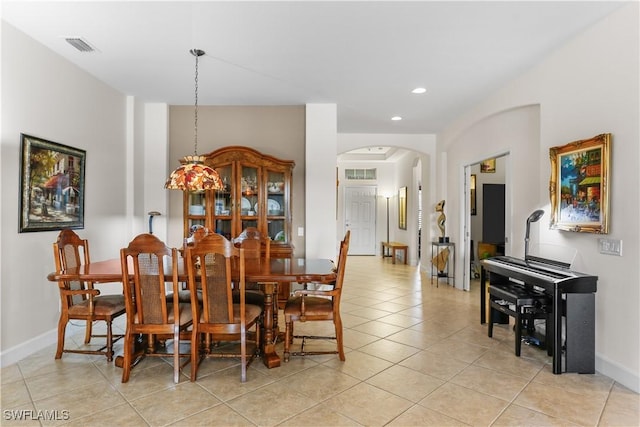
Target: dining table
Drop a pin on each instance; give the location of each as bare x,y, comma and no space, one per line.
269,273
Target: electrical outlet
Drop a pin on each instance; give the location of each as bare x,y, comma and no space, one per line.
300,231
610,246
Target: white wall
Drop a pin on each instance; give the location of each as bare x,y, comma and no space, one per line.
45,96
587,87
320,191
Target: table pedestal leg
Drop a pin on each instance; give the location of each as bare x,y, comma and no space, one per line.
269,355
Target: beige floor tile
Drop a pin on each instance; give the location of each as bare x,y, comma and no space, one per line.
435,365
400,320
413,338
561,403
419,416
81,402
172,404
10,374
22,415
460,350
622,409
507,362
594,385
516,415
320,416
64,380
264,406
226,385
368,405
220,415
405,382
123,415
494,383
359,365
389,350
320,382
15,394
377,328
465,405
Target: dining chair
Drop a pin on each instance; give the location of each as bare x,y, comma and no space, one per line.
79,300
317,304
147,265
215,264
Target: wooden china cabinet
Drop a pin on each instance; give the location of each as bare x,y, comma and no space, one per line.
257,193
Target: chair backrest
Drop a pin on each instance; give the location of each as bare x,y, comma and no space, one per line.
145,259
252,233
341,265
214,263
70,251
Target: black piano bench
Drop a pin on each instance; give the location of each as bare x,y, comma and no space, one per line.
521,302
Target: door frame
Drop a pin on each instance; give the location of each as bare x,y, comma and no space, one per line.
466,220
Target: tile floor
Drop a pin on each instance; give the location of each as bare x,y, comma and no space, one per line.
417,356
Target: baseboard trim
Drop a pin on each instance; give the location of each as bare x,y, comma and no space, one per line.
27,348
618,373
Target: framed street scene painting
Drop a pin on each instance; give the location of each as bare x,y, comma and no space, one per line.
579,185
51,185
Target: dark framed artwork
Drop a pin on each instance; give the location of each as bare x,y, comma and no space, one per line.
402,208
51,185
472,188
579,185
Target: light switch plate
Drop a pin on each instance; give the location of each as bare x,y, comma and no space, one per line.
610,246
300,231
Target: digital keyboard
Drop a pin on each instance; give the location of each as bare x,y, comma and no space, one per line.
572,329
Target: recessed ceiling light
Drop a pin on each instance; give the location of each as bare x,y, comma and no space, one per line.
396,118
419,90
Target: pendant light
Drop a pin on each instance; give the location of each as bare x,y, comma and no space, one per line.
193,174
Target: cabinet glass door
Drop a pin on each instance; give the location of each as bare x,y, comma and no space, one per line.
249,197
197,206
223,203
276,204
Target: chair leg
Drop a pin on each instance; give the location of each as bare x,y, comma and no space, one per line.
195,352
88,331
243,355
176,354
518,328
109,341
128,352
288,337
62,326
338,325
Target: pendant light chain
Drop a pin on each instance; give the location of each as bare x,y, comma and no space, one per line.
195,144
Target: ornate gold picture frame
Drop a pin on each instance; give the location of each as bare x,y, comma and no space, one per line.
579,185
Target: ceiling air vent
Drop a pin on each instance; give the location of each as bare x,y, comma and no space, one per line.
80,44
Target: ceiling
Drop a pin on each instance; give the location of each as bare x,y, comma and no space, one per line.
364,56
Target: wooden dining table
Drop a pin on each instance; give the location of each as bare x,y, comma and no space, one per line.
269,272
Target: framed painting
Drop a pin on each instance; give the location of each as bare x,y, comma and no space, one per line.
51,185
472,189
402,208
579,185
488,166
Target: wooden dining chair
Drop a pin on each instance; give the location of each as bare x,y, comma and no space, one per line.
314,304
215,263
80,301
147,265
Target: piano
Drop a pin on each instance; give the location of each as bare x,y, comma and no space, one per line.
572,332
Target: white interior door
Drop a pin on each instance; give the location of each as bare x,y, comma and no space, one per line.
360,218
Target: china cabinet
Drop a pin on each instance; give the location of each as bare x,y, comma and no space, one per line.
256,193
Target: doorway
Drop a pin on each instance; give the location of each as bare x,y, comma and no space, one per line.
485,219
360,218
